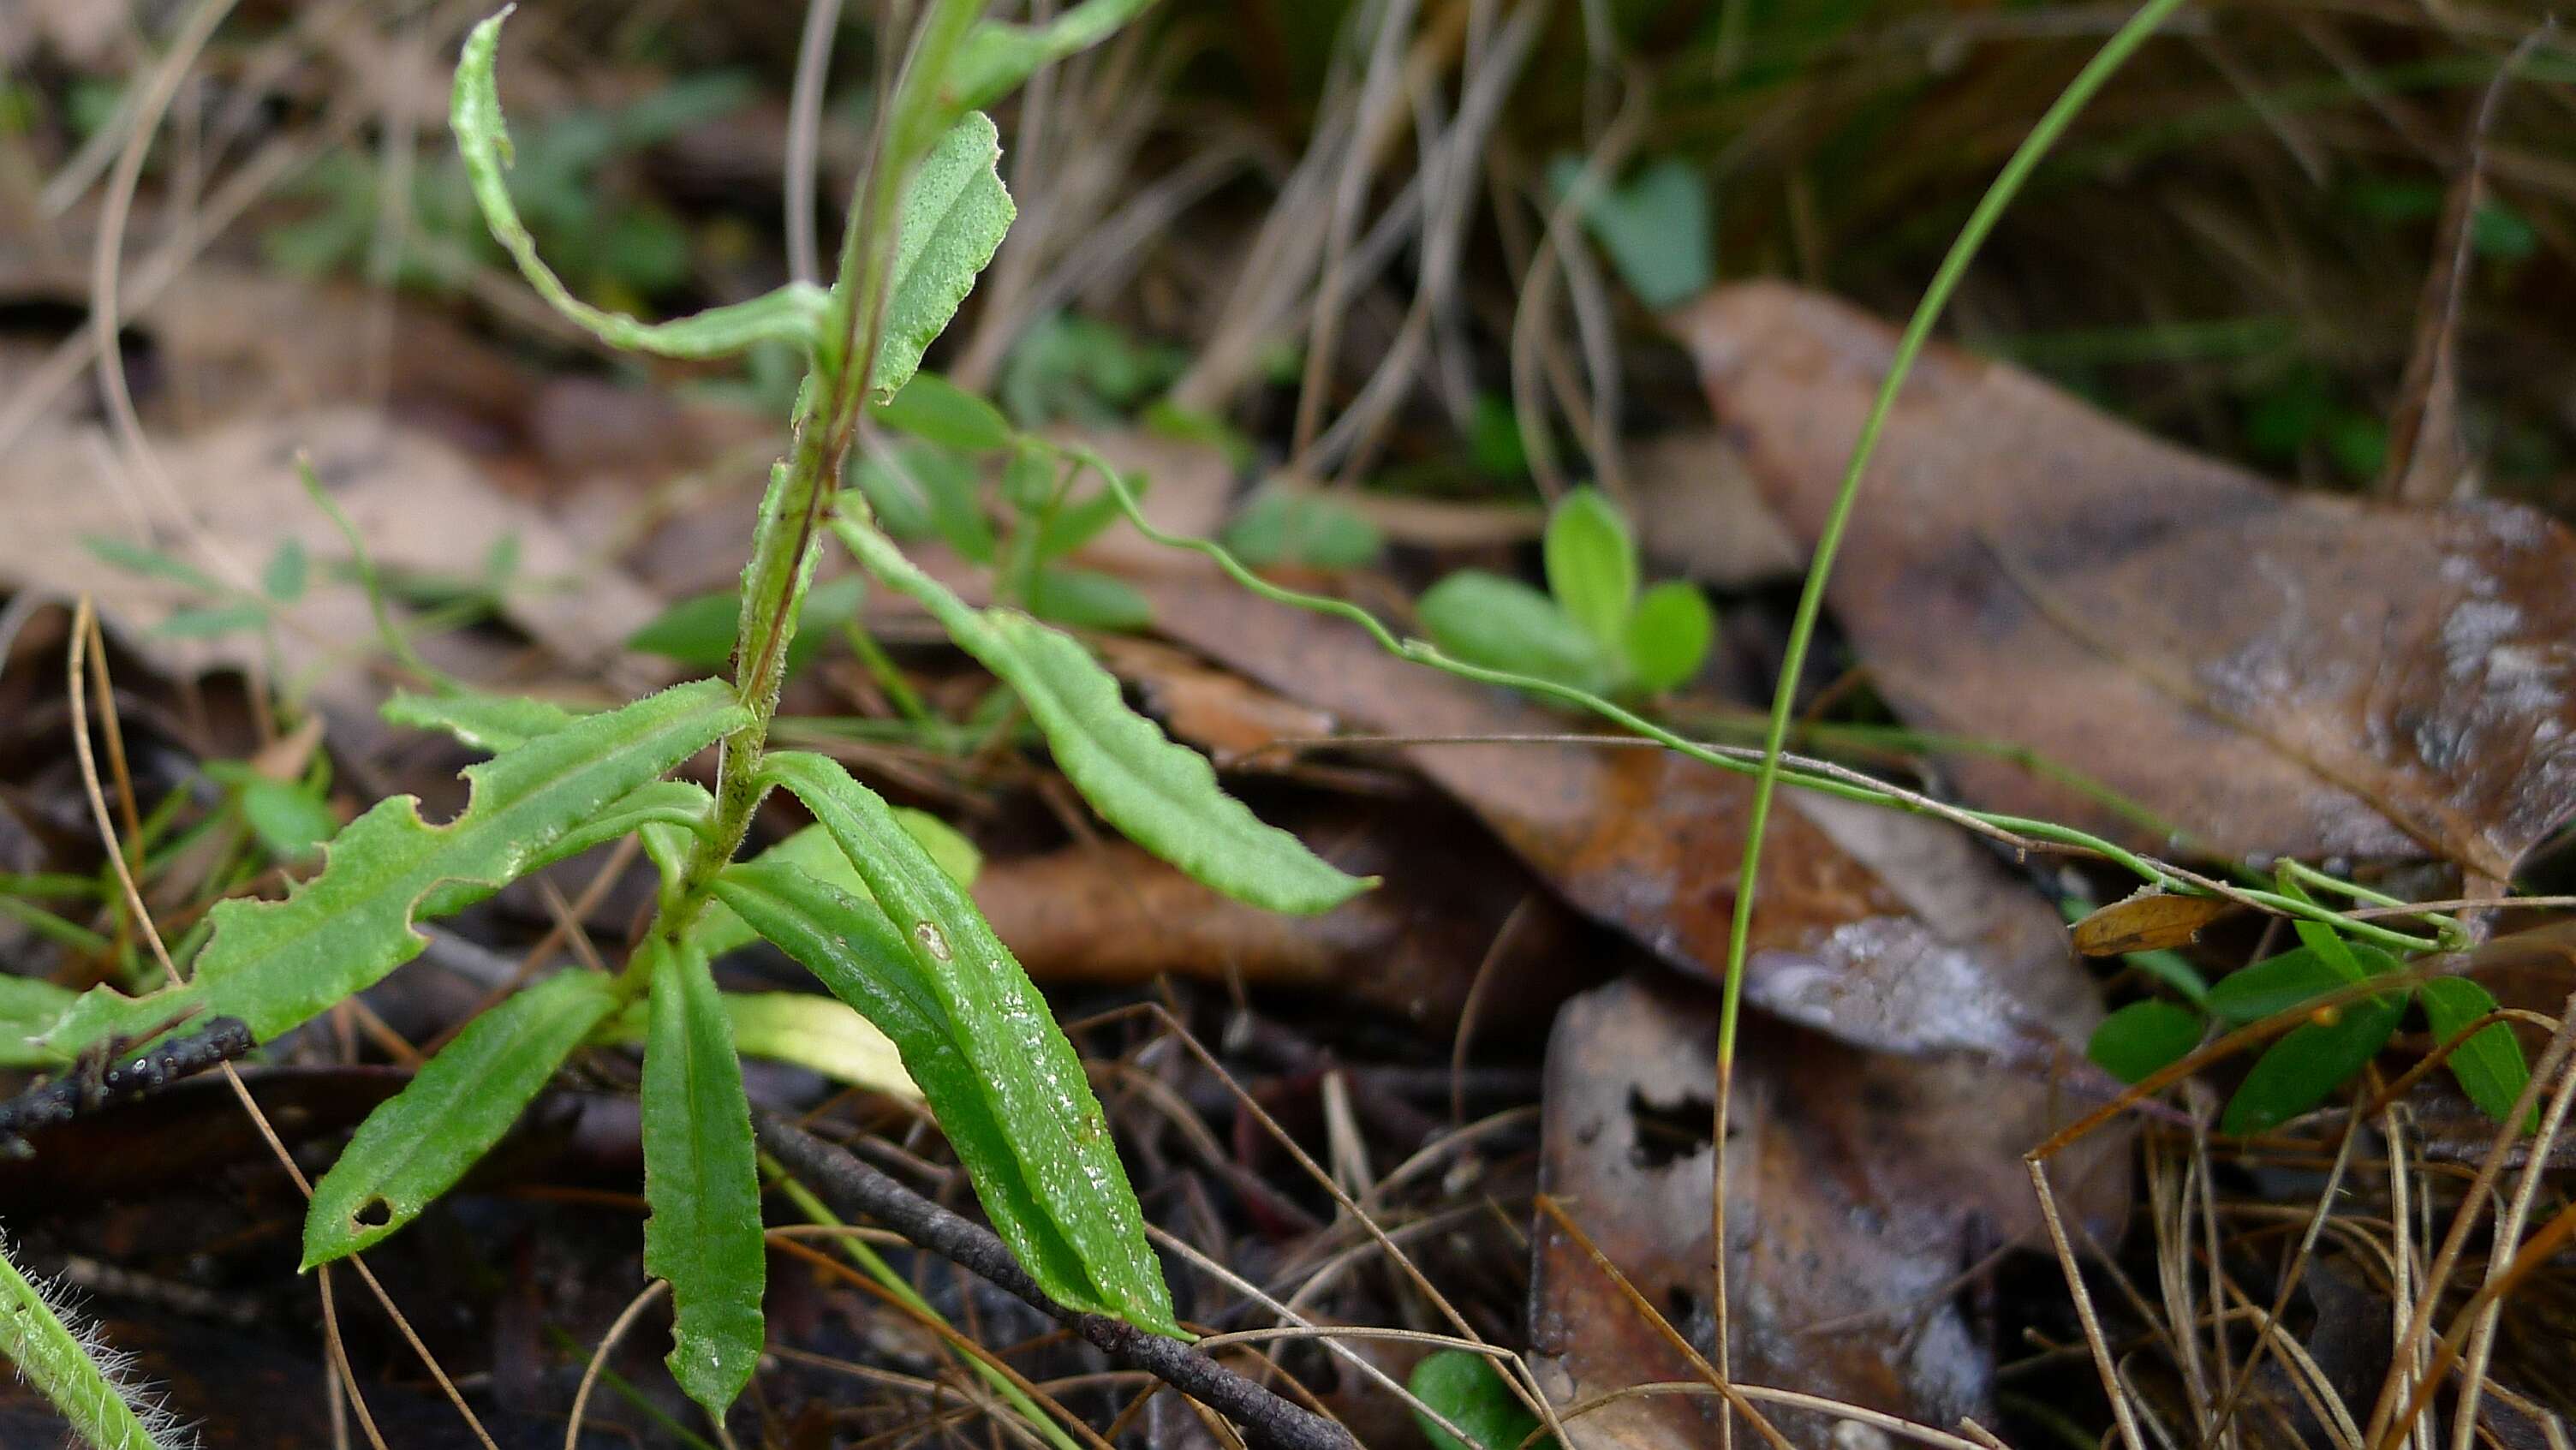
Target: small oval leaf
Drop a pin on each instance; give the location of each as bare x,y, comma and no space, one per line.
2292,979
2300,1070
2144,1038
2489,1066
1592,565
1503,624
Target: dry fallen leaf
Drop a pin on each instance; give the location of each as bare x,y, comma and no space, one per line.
2144,922
421,505
1412,948
2270,671
1700,512
1884,929
1861,1186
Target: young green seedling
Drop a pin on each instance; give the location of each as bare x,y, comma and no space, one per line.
1593,630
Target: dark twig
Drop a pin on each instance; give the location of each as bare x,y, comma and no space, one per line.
854,1188
91,1085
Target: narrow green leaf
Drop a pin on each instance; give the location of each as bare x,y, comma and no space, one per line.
489,723
212,622
845,940
419,1142
2329,944
29,1005
2144,1038
1503,624
1034,1081
2292,979
1469,1393
1164,796
284,578
946,844
803,1028
697,631
938,411
2310,1062
955,212
290,818
1592,565
702,1182
996,56
151,563
2489,1066
1087,599
1292,526
920,490
792,314
1669,635
275,963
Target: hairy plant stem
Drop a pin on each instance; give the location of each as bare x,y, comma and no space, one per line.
67,1366
829,409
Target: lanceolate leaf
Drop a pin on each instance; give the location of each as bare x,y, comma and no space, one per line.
2489,1066
2279,983
955,212
275,963
998,56
1032,1079
489,723
1164,796
792,314
2299,1071
850,947
702,1182
804,1028
415,1145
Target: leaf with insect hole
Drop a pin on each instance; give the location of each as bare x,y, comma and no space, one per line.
275,963
418,1142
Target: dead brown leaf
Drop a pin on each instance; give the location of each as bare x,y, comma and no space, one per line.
1413,947
1887,930
2145,922
1699,511
2271,672
1861,1187
421,505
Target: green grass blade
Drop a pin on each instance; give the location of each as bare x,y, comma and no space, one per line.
1033,1080
274,964
845,940
416,1144
2043,137
1163,796
702,1182
955,212
792,314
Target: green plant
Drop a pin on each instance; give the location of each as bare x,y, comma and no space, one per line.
2344,1032
859,899
84,1378
1592,630
1470,1393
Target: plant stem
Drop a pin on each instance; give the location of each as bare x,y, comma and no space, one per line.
1811,599
58,1361
829,409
